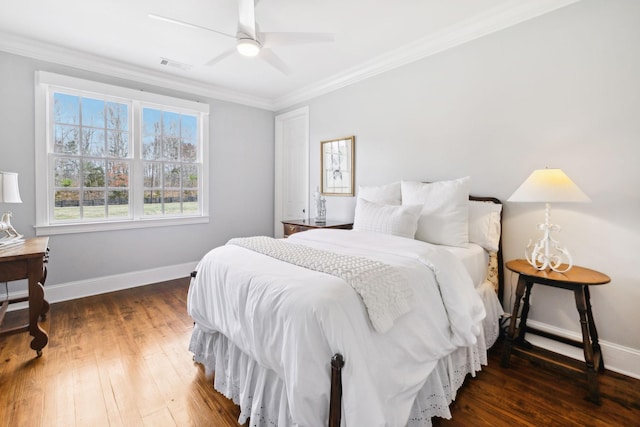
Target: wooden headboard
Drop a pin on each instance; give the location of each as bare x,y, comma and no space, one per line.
500,260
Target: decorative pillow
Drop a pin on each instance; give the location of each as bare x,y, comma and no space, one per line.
444,219
388,219
492,271
484,224
389,194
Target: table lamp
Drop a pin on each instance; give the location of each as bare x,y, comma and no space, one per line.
9,193
548,186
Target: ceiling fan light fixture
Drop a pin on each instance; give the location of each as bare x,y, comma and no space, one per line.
248,47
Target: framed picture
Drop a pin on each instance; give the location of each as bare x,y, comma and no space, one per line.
337,167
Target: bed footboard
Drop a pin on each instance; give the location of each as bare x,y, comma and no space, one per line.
335,403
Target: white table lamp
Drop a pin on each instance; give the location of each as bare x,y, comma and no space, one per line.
9,193
548,186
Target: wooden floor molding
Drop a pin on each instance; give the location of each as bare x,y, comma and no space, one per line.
121,359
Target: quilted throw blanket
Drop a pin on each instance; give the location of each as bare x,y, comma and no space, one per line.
383,288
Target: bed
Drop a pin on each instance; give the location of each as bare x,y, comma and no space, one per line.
307,331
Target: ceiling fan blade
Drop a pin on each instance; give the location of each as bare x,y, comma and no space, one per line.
274,60
270,39
220,57
188,24
247,18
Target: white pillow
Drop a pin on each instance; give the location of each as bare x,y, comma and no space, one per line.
389,194
388,219
484,224
444,219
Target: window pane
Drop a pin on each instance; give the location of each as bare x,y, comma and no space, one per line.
151,147
117,116
171,176
66,139
190,176
171,135
93,173
118,174
66,205
66,109
151,121
172,205
93,112
93,142
118,144
189,133
190,202
152,203
67,173
118,204
93,204
171,147
170,124
152,175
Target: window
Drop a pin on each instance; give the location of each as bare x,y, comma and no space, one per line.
109,157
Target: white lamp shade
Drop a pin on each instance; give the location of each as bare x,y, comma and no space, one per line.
549,186
9,191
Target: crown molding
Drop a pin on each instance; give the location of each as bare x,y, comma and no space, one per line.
35,49
493,20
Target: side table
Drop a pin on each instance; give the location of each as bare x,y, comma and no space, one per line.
578,280
27,261
292,226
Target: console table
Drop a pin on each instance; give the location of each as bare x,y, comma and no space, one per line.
27,261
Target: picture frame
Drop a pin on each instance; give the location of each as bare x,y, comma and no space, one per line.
337,167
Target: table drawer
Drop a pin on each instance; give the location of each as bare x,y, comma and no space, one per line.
15,270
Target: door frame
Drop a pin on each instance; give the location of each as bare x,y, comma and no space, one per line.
281,121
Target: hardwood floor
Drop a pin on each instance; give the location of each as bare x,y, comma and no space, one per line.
121,359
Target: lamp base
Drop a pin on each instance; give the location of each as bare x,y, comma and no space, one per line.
547,253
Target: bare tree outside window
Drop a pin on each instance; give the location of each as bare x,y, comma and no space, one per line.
92,166
170,152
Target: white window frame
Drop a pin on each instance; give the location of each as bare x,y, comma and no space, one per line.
44,83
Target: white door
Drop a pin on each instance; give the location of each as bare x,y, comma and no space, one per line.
291,167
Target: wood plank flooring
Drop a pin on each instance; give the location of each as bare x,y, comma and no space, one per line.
121,359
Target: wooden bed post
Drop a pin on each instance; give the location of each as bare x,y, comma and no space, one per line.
335,404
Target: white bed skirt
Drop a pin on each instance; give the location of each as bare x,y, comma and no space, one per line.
261,395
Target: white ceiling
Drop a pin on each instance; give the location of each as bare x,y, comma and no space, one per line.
117,37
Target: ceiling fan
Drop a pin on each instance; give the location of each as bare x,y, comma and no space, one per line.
250,41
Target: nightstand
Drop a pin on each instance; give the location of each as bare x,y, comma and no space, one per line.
578,280
27,261
292,226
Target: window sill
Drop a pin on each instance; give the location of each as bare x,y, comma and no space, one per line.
88,227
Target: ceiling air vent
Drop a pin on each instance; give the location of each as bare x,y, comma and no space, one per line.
175,64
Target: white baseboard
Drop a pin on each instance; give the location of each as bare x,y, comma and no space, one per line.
617,358
101,285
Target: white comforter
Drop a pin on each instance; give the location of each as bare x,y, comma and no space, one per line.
292,320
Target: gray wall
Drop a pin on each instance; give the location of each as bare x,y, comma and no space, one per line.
561,90
241,187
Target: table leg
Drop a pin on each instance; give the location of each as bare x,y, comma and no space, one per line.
522,328
36,307
511,332
45,305
593,332
592,375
